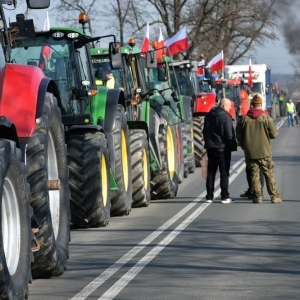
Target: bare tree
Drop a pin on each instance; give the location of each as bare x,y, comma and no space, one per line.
68,12
234,26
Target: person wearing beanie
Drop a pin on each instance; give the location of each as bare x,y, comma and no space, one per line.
254,131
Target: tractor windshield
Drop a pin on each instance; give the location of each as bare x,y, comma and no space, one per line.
56,58
257,88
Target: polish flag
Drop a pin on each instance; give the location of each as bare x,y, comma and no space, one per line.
45,52
146,41
250,82
178,43
160,47
217,63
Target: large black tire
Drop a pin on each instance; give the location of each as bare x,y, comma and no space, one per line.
16,235
47,160
165,184
88,162
273,112
198,123
140,165
181,151
121,199
190,144
277,110
185,150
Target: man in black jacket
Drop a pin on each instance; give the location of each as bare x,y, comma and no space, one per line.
220,141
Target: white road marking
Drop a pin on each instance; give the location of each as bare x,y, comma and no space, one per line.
139,266
97,282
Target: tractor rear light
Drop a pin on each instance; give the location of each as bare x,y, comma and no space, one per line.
133,101
92,92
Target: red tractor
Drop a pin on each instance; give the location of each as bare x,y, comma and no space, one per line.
35,207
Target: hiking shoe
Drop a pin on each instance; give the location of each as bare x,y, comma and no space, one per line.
276,200
257,200
210,200
246,194
227,201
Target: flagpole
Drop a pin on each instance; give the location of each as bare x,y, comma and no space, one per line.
223,73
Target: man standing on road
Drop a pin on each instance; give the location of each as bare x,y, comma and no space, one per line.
220,141
254,132
290,108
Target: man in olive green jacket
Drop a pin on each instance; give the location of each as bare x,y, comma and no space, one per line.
253,133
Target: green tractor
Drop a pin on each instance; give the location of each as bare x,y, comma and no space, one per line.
153,111
185,71
94,119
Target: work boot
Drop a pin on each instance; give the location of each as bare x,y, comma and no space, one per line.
247,194
276,200
257,200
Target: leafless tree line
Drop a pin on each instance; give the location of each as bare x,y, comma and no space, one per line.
234,26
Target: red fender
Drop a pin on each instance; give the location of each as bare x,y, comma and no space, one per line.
204,102
19,85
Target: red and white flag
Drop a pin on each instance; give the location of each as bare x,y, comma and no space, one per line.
217,63
177,43
146,40
45,52
250,82
160,47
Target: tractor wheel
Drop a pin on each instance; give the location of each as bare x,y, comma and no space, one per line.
190,144
198,123
185,150
181,149
165,184
121,199
140,166
16,235
277,110
47,174
273,112
88,161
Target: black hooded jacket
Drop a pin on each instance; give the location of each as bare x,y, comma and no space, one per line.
218,130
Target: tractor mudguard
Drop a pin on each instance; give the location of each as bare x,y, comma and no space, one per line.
19,94
153,134
187,102
8,131
47,85
89,128
204,103
139,125
104,106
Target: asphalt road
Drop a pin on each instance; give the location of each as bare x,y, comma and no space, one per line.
185,248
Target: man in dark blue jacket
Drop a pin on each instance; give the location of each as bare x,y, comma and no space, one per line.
220,141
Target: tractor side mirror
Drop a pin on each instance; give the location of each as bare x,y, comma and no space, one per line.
151,60
115,56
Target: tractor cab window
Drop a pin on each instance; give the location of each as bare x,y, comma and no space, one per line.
257,88
83,63
53,58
